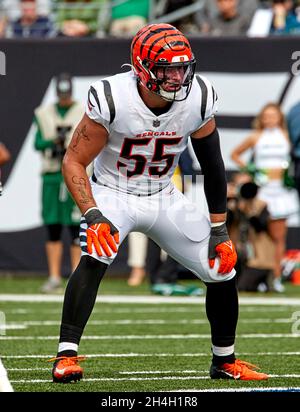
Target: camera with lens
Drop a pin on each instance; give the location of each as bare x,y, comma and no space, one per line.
239,196
59,149
248,190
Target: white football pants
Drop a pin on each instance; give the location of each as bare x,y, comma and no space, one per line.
168,218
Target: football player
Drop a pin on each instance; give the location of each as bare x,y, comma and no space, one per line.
136,125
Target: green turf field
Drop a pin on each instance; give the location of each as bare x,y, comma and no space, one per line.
136,342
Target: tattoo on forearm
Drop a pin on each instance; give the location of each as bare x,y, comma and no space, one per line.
80,183
80,133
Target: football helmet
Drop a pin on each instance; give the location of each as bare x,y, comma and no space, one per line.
162,59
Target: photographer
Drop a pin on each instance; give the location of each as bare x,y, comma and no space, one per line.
249,226
55,125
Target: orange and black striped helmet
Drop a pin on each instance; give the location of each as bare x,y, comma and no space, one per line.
162,46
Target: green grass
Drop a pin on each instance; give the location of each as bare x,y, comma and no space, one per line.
9,284
143,347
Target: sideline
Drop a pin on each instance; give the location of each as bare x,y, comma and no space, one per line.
150,299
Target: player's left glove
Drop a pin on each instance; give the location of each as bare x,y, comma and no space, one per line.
221,246
101,233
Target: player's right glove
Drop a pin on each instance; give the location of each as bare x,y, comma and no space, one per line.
220,245
101,233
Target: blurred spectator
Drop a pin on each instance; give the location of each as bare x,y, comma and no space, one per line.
4,158
271,155
164,272
187,24
128,17
285,20
31,24
3,24
137,250
13,12
249,219
281,17
293,122
245,8
81,18
3,21
228,21
55,126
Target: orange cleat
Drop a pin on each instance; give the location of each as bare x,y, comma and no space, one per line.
238,370
66,369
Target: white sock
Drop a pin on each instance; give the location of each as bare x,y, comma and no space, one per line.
62,346
223,350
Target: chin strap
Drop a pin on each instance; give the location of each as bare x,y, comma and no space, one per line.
131,66
170,96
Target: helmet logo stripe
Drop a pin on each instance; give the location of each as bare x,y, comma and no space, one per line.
171,45
157,40
152,33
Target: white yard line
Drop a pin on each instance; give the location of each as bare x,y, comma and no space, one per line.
150,299
114,310
152,378
13,326
156,337
126,322
268,309
146,355
150,372
288,375
158,372
26,369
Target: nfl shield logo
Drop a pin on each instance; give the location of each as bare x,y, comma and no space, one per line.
156,123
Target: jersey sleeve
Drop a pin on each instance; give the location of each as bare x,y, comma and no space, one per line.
208,100
96,105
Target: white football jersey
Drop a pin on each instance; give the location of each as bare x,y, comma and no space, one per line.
143,149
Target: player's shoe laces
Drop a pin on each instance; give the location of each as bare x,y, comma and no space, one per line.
238,370
66,369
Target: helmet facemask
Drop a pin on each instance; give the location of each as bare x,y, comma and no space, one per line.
171,81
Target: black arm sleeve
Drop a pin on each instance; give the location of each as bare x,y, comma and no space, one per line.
208,153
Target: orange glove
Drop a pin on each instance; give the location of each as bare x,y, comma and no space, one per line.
101,233
221,246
